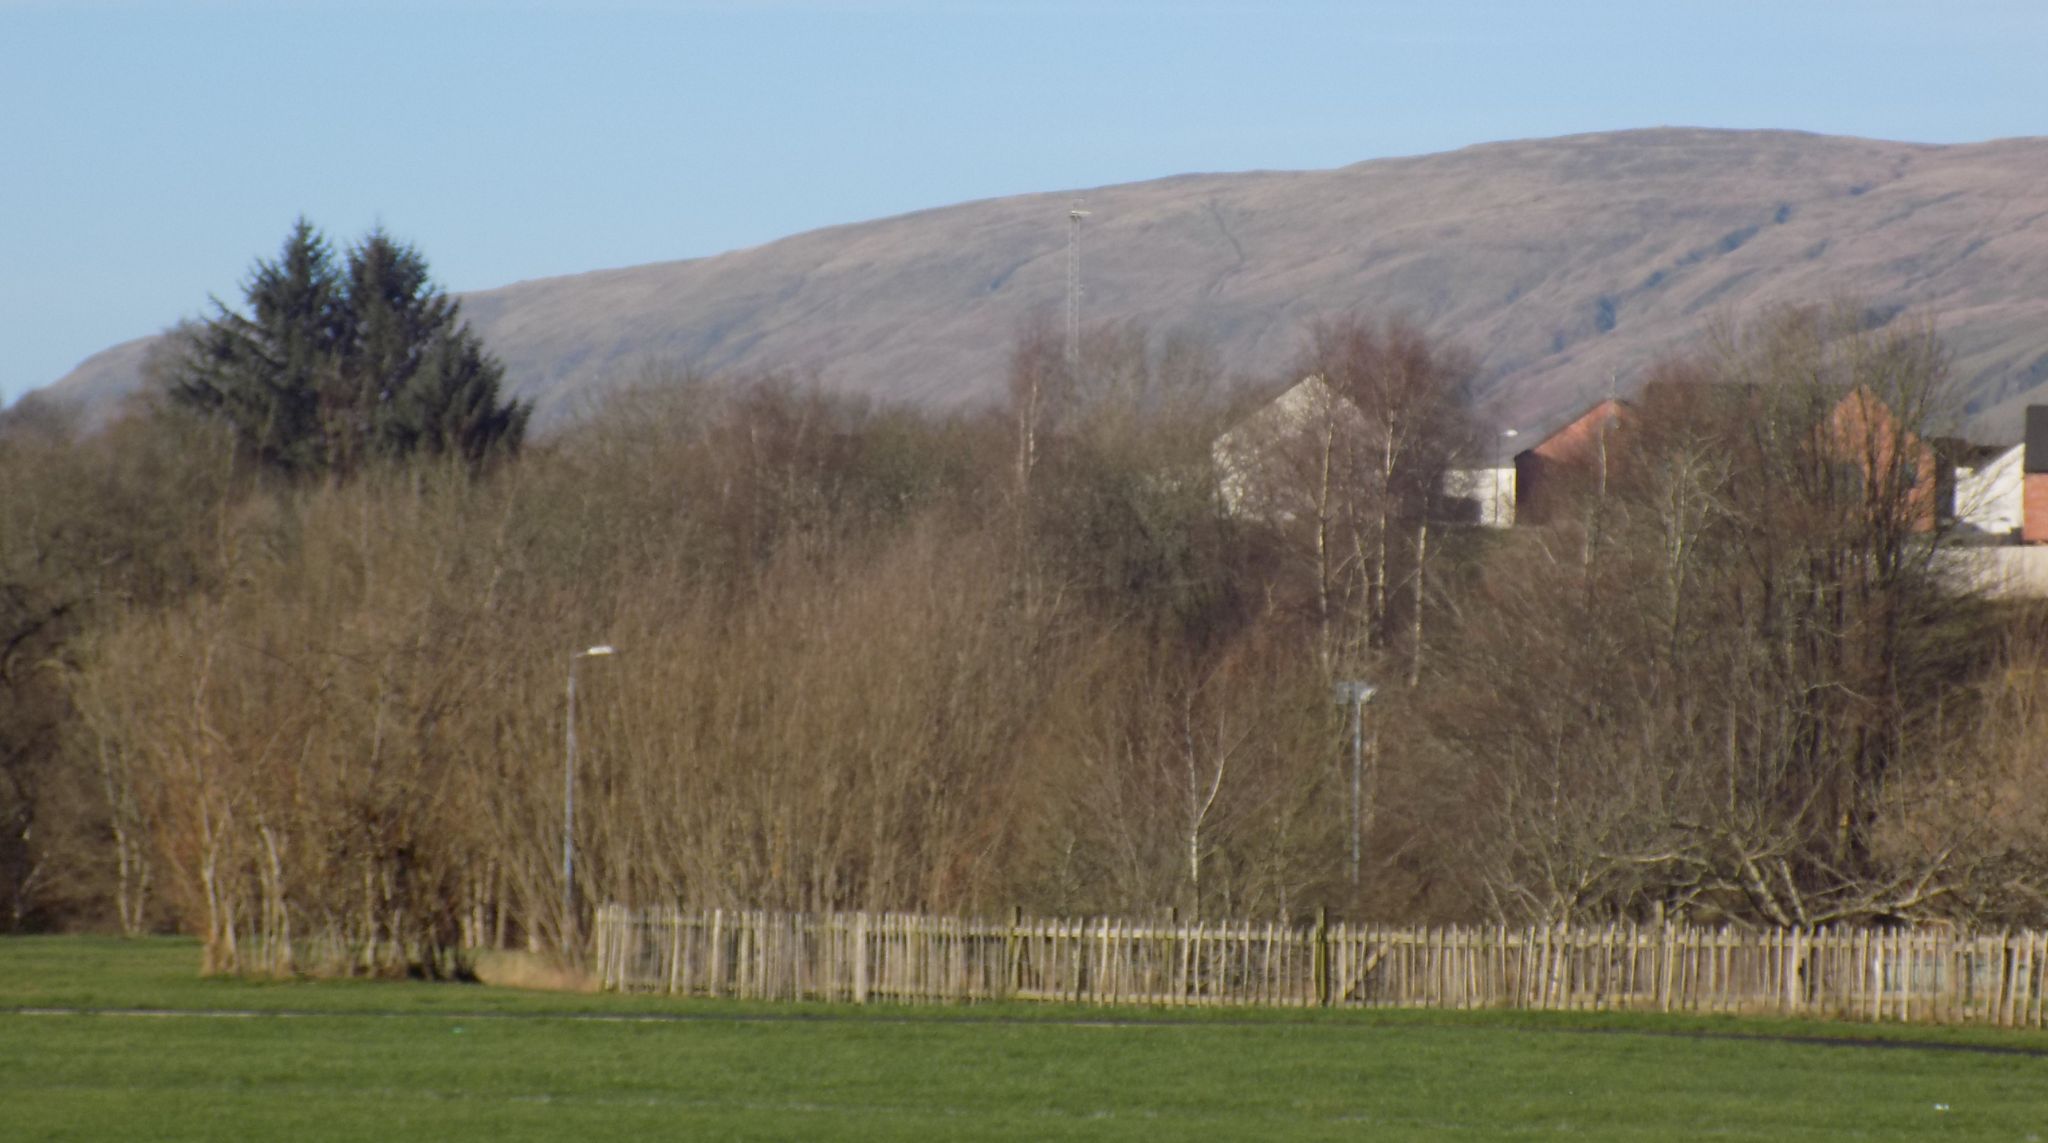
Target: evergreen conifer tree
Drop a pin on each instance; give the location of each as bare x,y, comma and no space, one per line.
335,366
261,371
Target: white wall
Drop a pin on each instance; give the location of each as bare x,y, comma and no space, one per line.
1988,497
1493,489
1241,453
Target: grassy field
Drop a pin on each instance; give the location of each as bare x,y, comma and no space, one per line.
235,1059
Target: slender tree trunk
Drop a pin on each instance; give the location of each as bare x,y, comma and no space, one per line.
1421,592
1325,641
1378,615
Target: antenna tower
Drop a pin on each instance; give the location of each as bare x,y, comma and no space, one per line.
1074,218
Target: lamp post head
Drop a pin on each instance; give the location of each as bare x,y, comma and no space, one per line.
1354,691
600,649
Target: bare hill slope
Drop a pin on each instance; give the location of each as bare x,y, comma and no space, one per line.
1559,262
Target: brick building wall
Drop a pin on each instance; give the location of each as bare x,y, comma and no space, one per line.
2034,512
1566,464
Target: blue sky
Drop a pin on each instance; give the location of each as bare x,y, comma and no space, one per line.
150,152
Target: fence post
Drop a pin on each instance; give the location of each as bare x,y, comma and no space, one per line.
1666,958
718,952
675,948
2005,974
1013,959
1322,956
1177,951
1795,954
1099,981
860,957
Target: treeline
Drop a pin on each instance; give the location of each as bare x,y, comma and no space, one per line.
1072,654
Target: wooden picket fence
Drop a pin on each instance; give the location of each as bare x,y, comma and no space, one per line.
1863,974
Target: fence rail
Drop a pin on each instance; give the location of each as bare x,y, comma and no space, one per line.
1863,974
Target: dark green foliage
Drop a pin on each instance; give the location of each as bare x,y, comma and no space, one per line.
333,366
261,372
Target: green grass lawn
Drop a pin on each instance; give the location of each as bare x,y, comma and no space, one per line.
367,1060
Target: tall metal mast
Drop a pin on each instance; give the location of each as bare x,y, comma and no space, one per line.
1074,218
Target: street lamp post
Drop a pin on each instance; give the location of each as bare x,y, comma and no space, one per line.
1354,694
569,799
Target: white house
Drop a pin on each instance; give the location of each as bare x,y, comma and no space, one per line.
1989,493
1491,491
1250,456
1268,461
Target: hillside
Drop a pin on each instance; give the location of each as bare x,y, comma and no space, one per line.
1560,262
